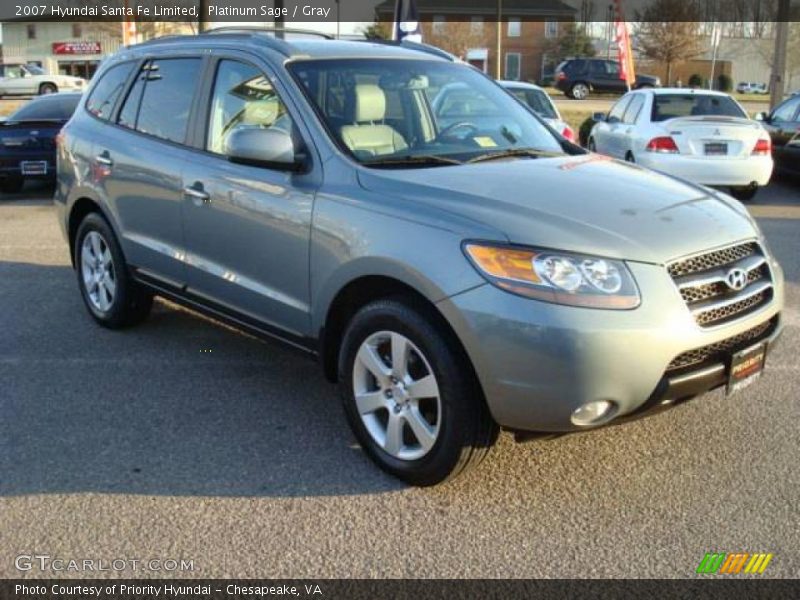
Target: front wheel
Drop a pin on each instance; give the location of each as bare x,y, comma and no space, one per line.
592,147
47,88
112,297
410,394
743,194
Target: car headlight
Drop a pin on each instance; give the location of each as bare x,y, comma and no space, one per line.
554,276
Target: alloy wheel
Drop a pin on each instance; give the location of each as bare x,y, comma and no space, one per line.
397,395
97,268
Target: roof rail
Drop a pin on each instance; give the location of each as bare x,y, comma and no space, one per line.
266,29
419,46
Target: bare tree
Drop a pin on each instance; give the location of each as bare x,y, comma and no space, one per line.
457,37
669,31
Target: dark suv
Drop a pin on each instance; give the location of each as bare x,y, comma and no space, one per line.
576,77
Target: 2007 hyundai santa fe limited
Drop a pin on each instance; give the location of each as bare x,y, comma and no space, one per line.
456,270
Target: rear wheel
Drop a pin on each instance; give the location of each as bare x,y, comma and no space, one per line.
112,297
579,91
629,157
410,394
47,88
743,194
12,185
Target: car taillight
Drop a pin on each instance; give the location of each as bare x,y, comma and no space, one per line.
569,134
762,147
662,145
561,76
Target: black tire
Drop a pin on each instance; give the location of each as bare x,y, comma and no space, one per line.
743,194
12,185
466,429
629,158
48,88
591,146
131,303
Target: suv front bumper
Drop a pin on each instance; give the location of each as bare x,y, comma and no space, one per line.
537,362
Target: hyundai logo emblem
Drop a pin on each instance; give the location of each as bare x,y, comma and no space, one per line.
736,279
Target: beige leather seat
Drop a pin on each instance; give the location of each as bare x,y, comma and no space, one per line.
369,136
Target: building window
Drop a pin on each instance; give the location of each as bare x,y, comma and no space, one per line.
438,24
476,26
550,29
77,30
31,31
548,67
514,27
513,60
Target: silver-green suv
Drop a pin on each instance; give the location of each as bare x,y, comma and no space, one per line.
456,265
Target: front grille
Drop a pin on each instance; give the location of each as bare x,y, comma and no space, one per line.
702,283
720,350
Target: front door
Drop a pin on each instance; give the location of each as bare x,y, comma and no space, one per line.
248,227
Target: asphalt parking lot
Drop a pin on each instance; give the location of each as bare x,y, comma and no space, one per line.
186,439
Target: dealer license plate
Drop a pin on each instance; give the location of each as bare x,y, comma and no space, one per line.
716,149
746,367
33,167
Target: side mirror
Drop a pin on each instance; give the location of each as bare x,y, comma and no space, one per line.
761,116
599,116
271,148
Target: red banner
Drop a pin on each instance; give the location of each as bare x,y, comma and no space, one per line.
76,48
624,49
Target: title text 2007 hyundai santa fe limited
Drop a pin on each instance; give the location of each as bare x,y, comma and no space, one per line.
453,279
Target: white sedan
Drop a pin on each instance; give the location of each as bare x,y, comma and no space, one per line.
540,102
703,136
30,80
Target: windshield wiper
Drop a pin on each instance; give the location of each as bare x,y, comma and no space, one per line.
511,152
421,160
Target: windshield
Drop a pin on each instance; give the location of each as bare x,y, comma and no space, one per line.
672,106
537,100
419,112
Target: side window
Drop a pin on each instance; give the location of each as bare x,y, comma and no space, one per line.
105,94
161,99
633,110
597,67
243,97
787,111
618,110
612,69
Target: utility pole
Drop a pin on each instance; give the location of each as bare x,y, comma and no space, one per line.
777,79
499,71
202,18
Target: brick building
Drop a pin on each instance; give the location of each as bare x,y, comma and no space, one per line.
470,31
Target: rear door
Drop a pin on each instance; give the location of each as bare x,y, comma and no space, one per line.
138,164
248,227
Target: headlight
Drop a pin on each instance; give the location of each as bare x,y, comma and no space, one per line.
553,276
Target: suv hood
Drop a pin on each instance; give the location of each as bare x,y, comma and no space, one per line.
584,204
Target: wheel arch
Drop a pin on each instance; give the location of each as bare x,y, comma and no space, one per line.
81,207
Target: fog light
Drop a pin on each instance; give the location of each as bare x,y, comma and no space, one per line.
593,413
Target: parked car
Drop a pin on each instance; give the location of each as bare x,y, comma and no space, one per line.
783,125
576,77
702,136
540,102
745,87
452,279
31,80
27,140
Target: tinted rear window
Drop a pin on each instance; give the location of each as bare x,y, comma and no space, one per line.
105,94
671,106
51,107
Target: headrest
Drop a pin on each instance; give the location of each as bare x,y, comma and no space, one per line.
370,103
260,112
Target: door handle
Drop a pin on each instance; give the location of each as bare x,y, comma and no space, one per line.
104,159
197,193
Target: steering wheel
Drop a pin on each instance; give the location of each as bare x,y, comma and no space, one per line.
459,125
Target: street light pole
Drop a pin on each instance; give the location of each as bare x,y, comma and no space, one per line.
777,79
